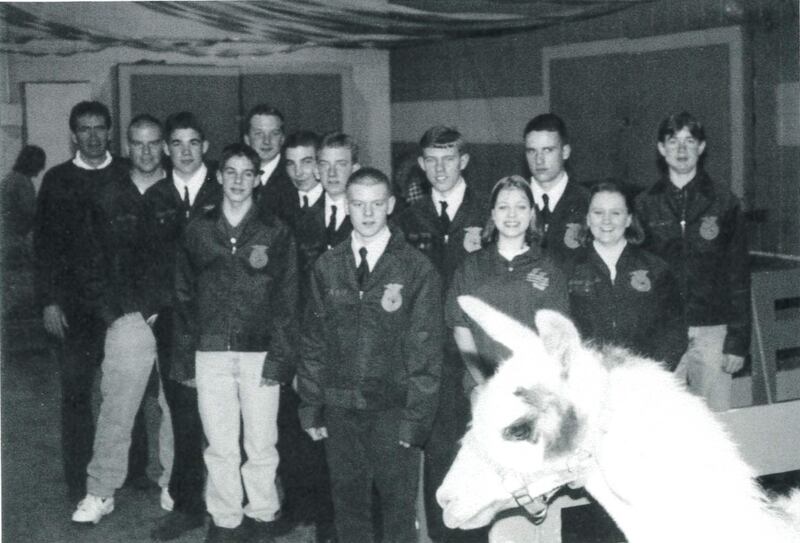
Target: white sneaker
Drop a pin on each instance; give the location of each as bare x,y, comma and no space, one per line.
92,509
167,503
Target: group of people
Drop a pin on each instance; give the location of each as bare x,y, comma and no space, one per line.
303,319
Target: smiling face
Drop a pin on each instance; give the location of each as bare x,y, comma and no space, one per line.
335,166
186,148
238,177
608,218
369,207
301,166
91,136
545,154
443,166
682,152
265,135
512,213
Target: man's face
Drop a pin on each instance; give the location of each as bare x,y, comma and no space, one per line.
238,177
335,166
443,166
682,151
369,207
91,136
545,154
145,146
186,149
301,165
265,135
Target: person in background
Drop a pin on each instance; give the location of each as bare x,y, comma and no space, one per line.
446,226
511,273
235,334
19,205
561,202
619,293
189,189
371,350
697,226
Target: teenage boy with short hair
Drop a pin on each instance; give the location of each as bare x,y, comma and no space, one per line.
370,364
445,225
696,224
236,294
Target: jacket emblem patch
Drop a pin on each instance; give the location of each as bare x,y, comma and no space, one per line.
572,235
392,299
472,238
709,228
640,281
258,256
538,279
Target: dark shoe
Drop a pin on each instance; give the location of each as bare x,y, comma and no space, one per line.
217,534
325,532
141,482
175,524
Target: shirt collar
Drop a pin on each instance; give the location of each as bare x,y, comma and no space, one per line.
193,183
313,195
376,245
554,194
341,208
268,168
453,198
82,164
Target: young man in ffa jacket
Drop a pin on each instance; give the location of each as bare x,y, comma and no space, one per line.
235,333
371,354
189,189
446,226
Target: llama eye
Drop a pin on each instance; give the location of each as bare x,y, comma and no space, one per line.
519,431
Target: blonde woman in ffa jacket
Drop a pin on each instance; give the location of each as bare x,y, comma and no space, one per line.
236,292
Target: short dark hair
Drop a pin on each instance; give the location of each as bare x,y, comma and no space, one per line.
489,233
369,176
677,122
239,149
88,107
302,138
442,137
262,109
340,140
183,120
548,122
144,119
634,233
30,160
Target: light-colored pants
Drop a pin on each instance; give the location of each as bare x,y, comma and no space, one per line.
701,366
166,442
130,352
229,386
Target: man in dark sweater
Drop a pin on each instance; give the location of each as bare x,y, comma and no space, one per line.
58,232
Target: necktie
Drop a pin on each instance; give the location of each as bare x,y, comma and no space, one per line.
187,204
545,213
331,230
444,219
305,202
363,269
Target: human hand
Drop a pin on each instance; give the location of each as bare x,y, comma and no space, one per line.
732,363
404,444
55,322
317,433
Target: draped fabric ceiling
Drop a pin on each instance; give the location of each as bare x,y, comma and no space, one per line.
263,27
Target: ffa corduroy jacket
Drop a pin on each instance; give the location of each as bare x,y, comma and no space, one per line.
236,292
381,349
699,230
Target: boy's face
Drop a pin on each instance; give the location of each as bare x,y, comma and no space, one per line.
301,166
238,177
186,148
369,207
265,135
681,151
443,166
335,166
545,154
145,145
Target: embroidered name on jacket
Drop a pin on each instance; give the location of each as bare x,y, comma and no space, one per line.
538,279
392,299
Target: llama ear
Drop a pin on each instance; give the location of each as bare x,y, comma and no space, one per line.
559,336
499,326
